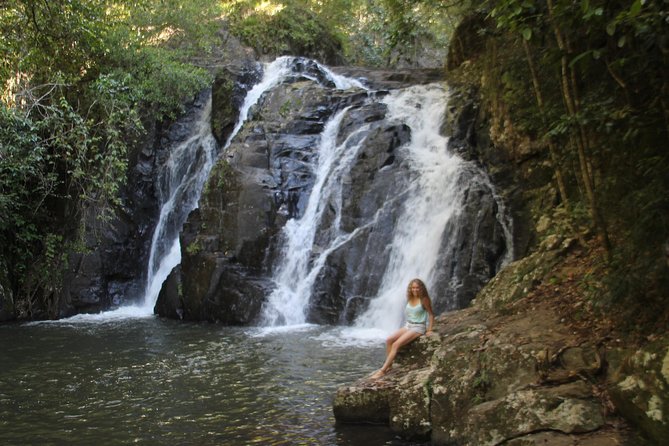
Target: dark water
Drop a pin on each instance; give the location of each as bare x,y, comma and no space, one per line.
151,381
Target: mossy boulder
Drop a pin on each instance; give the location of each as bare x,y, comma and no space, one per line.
404,407
518,278
640,387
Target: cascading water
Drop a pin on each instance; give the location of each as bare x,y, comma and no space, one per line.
181,182
179,185
278,71
434,197
300,264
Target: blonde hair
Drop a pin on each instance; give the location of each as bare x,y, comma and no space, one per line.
422,294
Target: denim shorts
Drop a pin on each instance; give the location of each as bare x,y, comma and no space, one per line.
418,328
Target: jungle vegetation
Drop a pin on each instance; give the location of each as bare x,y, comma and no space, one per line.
80,80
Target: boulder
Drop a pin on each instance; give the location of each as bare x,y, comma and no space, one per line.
640,387
401,399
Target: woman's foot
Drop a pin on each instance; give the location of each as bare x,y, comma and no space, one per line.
378,374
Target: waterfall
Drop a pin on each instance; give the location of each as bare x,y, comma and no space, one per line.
301,263
408,232
432,201
179,185
433,197
182,180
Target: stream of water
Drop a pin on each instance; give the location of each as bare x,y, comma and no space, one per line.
151,381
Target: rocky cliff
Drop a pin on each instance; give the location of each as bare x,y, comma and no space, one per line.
230,245
111,270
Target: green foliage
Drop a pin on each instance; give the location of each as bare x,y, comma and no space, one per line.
288,27
412,24
366,32
36,34
76,77
159,81
615,72
25,182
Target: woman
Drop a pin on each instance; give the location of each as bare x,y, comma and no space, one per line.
419,320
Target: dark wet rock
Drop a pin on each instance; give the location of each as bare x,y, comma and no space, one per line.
170,301
373,181
469,130
391,79
228,92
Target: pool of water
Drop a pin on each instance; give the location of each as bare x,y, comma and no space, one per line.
153,381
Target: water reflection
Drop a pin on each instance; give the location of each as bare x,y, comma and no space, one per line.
151,381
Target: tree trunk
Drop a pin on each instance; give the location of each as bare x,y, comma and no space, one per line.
551,145
570,97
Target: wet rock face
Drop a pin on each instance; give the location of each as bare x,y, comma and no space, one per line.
113,272
227,95
389,79
230,245
356,268
263,179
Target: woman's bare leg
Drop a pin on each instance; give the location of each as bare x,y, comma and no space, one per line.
400,340
394,337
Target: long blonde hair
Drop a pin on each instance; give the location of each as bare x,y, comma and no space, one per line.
423,294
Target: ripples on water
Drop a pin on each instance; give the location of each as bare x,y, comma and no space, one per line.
152,381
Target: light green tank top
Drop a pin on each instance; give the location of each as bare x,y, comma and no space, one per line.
415,315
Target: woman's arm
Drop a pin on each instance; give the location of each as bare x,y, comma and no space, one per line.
427,304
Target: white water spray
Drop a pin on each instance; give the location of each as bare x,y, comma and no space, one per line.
301,262
434,199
